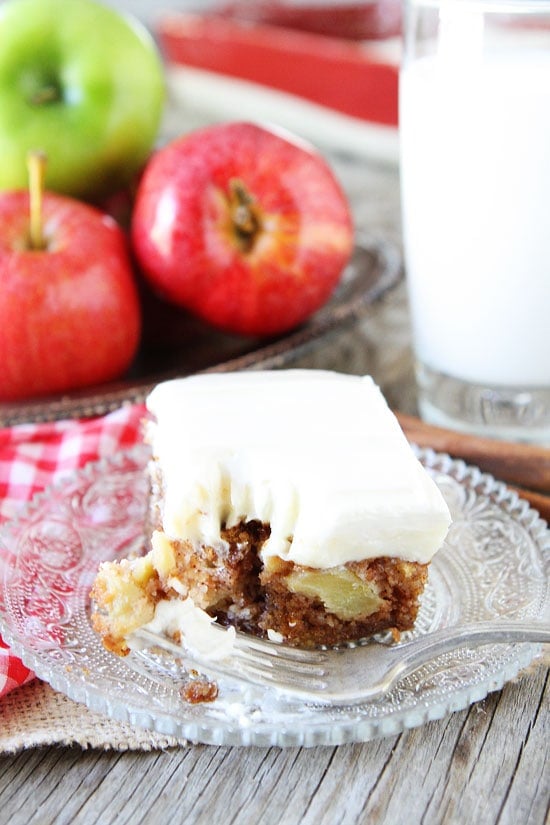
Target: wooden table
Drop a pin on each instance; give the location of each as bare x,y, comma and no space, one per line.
487,764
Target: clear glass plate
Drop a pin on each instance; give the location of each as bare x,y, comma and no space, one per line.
495,562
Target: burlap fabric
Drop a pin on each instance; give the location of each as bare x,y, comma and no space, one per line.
35,715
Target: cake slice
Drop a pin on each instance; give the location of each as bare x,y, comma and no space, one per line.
285,503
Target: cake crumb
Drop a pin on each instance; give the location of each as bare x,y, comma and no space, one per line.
198,689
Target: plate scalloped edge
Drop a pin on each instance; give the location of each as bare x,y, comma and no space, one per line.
333,727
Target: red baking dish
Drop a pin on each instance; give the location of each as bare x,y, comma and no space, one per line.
352,78
365,20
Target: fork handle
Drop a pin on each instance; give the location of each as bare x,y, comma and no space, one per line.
470,635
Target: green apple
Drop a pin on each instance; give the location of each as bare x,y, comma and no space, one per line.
84,84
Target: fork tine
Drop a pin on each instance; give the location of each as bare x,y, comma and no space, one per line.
262,663
271,660
280,651
345,676
301,684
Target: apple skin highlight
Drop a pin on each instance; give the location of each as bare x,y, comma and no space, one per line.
260,277
69,313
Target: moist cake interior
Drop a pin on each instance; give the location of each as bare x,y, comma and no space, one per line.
299,605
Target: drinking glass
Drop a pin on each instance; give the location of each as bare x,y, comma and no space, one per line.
475,173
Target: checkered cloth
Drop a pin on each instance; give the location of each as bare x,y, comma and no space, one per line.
32,456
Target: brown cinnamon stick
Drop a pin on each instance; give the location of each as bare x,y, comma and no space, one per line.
537,501
524,465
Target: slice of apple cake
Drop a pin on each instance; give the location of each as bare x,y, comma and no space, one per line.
283,503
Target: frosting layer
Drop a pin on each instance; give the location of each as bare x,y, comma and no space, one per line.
318,455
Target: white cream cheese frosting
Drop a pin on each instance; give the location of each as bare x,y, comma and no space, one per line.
198,631
317,455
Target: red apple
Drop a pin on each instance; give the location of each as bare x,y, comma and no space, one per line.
69,312
244,226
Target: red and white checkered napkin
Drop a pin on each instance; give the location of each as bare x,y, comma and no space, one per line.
32,456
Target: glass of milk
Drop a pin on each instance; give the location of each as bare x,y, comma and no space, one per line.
475,176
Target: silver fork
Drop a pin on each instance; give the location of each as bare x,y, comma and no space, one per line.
347,675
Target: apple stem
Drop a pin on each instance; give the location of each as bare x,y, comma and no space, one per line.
49,94
243,214
36,165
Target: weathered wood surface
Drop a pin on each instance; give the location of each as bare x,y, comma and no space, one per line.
488,764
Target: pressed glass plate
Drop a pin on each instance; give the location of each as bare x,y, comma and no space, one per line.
494,563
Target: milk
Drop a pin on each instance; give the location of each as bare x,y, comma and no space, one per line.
475,166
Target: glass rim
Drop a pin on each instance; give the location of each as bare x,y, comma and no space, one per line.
507,6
